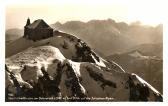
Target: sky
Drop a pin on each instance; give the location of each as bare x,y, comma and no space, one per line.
148,12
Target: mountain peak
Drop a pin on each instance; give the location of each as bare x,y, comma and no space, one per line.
64,66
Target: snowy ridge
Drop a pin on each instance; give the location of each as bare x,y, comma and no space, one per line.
144,82
69,45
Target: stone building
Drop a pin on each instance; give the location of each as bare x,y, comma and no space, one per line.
37,30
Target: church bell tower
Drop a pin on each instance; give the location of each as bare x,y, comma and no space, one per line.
28,22
26,30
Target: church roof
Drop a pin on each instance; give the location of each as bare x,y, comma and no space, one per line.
38,24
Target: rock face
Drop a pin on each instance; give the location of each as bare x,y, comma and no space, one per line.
64,68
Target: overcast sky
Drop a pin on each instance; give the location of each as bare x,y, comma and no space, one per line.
146,11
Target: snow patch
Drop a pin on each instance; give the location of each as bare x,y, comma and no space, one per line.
118,66
135,54
98,63
76,67
138,55
82,89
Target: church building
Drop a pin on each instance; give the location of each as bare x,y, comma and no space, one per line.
37,30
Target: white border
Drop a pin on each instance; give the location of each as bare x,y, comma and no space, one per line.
2,53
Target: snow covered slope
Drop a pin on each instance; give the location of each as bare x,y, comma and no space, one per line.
70,46
64,68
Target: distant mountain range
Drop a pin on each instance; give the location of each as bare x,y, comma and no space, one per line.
112,37
13,34
144,60
106,35
155,49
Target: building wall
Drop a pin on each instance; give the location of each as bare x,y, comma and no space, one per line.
27,31
39,33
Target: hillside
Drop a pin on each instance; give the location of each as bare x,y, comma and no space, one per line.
13,34
112,37
64,68
143,61
154,49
